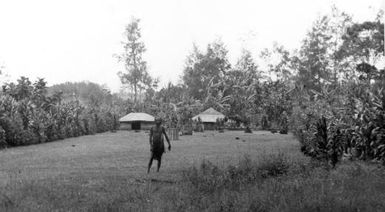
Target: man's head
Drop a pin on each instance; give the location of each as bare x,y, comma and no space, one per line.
158,121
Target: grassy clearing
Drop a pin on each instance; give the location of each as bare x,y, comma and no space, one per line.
278,184
230,171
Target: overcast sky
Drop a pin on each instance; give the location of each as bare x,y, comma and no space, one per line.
74,40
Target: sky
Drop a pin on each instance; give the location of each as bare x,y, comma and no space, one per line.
75,40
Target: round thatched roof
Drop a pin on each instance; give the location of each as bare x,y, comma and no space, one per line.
209,115
137,117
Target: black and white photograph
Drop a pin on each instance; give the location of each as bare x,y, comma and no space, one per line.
192,105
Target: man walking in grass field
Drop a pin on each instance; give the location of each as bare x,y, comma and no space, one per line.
157,144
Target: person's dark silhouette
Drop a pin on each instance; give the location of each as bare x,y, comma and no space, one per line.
157,143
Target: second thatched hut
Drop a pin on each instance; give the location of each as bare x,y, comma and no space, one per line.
209,118
137,121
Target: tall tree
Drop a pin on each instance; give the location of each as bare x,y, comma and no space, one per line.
135,74
313,68
204,68
363,43
248,66
172,93
280,62
241,85
316,63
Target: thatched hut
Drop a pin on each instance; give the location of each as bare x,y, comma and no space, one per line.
209,118
137,121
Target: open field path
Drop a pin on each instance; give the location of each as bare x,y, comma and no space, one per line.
125,154
76,172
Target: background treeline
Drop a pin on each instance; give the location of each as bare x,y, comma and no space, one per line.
329,92
31,113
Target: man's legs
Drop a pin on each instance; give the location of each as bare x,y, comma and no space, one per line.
159,163
150,163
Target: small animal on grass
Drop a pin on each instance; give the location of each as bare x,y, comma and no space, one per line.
157,143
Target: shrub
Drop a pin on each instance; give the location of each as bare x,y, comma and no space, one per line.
12,128
3,142
26,137
209,177
284,123
273,165
265,123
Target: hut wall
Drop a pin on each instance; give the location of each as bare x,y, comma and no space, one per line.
146,125
125,126
209,126
143,125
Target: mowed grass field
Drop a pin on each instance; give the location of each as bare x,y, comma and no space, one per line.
82,171
108,172
125,154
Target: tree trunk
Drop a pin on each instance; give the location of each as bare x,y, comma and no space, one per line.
135,94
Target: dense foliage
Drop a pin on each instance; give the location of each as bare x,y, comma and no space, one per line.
345,116
329,93
29,115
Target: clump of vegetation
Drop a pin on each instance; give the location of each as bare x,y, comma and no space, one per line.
284,123
354,128
265,123
273,165
273,184
198,127
30,115
343,117
3,142
209,177
220,124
